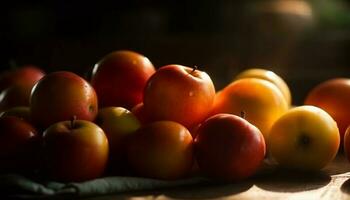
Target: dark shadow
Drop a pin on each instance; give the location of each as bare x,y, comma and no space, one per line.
287,180
339,165
345,187
201,191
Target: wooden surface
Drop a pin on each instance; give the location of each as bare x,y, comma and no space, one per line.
270,183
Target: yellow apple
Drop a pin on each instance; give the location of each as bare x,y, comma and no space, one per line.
260,100
304,138
118,123
269,76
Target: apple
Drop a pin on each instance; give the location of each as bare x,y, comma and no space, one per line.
228,147
261,101
269,76
333,96
161,150
179,93
119,78
22,112
304,138
118,124
59,96
25,75
75,150
18,145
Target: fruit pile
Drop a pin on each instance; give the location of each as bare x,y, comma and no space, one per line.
133,120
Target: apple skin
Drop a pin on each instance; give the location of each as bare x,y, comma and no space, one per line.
120,77
304,138
229,148
333,96
25,75
161,150
19,145
179,93
61,95
75,152
22,112
140,113
118,124
269,76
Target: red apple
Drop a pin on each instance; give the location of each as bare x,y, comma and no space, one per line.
75,150
120,77
59,96
18,145
25,75
162,150
228,147
119,124
15,95
178,93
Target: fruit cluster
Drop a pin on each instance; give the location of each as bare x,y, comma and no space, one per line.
131,119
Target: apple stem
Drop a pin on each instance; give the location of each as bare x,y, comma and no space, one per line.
243,114
72,122
194,68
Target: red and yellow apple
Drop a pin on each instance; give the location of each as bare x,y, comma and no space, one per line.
269,76
120,77
304,138
162,150
75,150
260,100
346,143
179,93
333,96
59,96
118,124
228,147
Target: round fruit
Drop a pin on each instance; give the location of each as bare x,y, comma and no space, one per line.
228,147
75,150
305,138
162,149
120,77
59,96
269,76
178,93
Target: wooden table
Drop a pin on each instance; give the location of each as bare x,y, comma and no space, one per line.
270,183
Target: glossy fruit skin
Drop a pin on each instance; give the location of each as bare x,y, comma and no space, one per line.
120,77
16,95
75,154
260,100
269,76
161,150
229,148
333,96
18,145
304,138
118,124
25,75
22,112
179,93
61,95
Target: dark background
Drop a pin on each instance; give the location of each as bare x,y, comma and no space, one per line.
305,42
